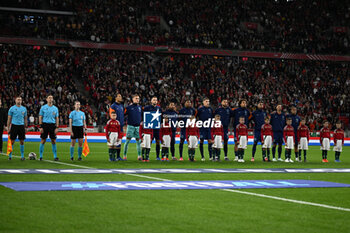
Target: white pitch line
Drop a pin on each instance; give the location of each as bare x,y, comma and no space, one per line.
49,161
227,190
148,177
288,200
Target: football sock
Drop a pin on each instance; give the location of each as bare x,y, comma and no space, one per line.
286,154
110,153
264,154
167,152
157,150
210,149
172,147
201,149
41,149
21,148
80,151
225,148
54,150
273,151
296,154
325,154
268,154
71,151
304,154
181,147
279,151
118,152
213,153
126,145
143,153
218,152
147,153
138,147
254,150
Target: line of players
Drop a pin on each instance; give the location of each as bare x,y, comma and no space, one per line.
272,131
294,134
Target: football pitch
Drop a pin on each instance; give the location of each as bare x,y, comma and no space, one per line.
180,210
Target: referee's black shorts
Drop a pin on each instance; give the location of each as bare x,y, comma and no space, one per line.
48,129
17,131
78,132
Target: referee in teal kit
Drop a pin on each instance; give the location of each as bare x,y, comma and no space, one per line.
48,120
17,124
77,125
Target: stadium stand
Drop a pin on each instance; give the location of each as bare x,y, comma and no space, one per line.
316,27
318,88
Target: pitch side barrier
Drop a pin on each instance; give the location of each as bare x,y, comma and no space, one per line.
101,138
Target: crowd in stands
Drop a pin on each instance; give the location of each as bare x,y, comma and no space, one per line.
310,26
34,73
320,90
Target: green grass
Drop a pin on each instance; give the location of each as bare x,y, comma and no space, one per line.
171,210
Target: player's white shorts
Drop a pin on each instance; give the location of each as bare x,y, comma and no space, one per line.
146,141
217,142
303,144
192,142
243,141
166,141
267,141
338,145
113,139
290,142
326,144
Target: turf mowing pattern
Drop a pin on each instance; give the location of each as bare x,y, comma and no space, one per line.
172,210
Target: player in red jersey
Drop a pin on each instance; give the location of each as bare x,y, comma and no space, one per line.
241,138
217,135
114,137
192,135
325,140
289,138
338,138
303,138
146,136
266,139
165,138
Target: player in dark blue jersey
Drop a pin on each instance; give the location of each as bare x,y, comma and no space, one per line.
152,108
295,123
184,114
278,122
258,116
205,113
118,108
225,113
172,116
237,113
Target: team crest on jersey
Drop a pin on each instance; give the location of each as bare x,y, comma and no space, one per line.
53,113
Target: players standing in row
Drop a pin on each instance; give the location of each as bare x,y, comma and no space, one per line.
295,132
